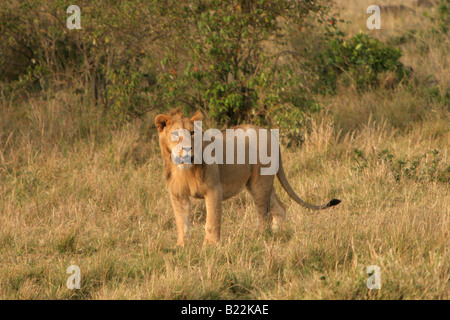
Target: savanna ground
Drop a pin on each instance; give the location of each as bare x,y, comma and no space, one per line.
72,193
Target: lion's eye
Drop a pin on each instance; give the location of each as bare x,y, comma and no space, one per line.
175,134
192,133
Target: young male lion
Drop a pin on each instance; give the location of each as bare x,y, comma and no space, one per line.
216,182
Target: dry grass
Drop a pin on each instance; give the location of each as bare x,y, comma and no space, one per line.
74,192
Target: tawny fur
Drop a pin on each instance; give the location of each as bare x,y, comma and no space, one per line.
218,182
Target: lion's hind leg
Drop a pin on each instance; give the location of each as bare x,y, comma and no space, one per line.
261,191
277,210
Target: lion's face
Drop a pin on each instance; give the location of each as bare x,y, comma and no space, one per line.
176,138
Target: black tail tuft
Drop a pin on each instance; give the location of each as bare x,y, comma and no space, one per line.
333,203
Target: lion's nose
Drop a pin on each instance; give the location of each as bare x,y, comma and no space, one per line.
187,149
186,159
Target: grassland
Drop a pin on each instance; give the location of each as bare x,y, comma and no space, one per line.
74,192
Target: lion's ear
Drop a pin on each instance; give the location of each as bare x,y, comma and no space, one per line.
161,121
197,116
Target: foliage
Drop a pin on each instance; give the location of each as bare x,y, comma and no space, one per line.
104,60
443,16
233,60
132,56
228,65
359,60
429,166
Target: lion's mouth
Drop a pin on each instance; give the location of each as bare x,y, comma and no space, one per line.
186,160
185,166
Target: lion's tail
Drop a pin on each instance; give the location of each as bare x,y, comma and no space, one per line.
287,187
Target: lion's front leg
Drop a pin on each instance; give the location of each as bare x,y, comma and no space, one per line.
182,210
213,200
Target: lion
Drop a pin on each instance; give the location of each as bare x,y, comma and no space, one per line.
215,182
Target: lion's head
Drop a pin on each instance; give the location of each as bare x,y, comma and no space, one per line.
176,137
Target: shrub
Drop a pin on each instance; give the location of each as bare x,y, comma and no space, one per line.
133,56
104,60
358,61
226,63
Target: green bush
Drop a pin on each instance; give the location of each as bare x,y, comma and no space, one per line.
104,60
132,56
358,61
227,66
221,57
